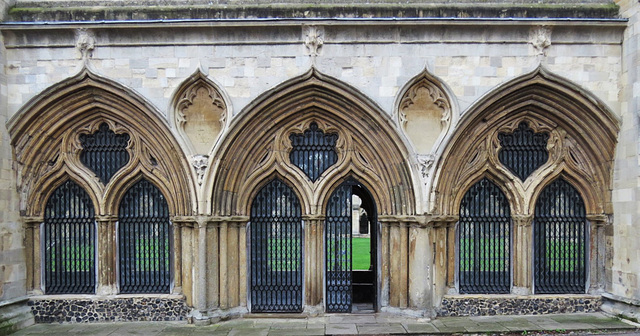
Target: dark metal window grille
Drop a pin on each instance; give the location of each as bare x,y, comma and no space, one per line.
143,239
560,240
523,151
313,152
276,250
338,250
484,239
69,241
104,152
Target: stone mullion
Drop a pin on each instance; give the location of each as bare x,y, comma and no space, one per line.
314,260
107,263
522,259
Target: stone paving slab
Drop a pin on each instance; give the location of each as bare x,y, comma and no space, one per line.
374,324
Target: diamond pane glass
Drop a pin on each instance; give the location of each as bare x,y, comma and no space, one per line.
144,232
338,251
560,240
523,151
104,152
276,250
69,241
313,151
484,240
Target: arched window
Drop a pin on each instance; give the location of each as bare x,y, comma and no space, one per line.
143,239
276,250
484,240
69,241
560,240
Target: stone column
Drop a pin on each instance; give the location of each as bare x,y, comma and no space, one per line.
213,266
314,259
443,238
32,254
185,241
522,254
200,295
397,259
601,228
233,261
420,266
106,236
384,264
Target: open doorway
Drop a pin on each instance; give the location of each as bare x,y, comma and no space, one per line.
351,255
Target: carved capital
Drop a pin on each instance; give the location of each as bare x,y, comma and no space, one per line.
33,221
600,220
522,220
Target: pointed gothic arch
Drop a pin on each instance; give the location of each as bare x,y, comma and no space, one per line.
583,138
45,130
372,137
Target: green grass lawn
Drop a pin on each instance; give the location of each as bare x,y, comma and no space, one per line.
360,253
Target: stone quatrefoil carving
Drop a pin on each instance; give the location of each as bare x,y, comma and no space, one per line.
523,151
104,152
313,151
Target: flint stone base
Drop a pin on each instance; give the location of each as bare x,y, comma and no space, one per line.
80,310
466,305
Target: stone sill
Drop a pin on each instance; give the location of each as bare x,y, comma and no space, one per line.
617,298
104,297
14,301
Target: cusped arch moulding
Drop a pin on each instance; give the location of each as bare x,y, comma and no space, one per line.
46,132
199,112
582,137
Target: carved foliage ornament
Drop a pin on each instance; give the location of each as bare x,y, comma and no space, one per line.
313,39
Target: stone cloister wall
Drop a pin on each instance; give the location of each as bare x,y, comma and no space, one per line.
387,66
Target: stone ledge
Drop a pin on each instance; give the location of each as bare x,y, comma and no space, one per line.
79,11
487,305
14,315
76,309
